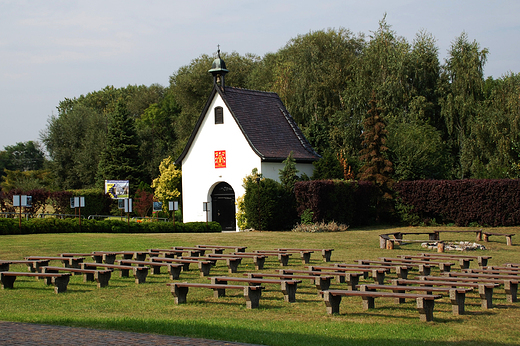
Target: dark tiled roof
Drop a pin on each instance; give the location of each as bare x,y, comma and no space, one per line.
266,124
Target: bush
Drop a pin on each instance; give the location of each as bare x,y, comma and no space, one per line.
462,202
52,225
345,202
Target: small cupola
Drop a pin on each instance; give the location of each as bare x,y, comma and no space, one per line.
218,70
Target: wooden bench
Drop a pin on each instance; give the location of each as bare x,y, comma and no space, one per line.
305,255
443,266
69,262
482,260
192,251
283,257
100,276
436,261
477,232
231,262
510,282
350,278
174,269
385,242
109,257
252,294
325,253
288,287
168,253
378,274
425,302
423,268
494,270
32,265
485,290
258,259
204,266
140,273
457,295
236,248
400,270
59,280
509,241
322,282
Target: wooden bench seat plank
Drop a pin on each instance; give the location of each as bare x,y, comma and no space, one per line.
140,273
101,277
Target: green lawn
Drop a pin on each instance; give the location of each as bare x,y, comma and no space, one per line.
150,308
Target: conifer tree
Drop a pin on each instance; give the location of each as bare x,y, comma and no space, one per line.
376,167
120,158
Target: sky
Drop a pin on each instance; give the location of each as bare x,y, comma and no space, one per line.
56,49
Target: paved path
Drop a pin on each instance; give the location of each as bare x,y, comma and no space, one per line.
14,333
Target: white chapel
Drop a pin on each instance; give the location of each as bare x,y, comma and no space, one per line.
237,131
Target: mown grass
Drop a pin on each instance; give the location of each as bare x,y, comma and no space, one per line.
149,307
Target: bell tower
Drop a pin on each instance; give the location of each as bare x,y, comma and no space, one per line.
218,70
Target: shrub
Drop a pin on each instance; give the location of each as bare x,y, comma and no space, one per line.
320,227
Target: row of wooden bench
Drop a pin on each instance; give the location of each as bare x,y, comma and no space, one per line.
455,284
386,242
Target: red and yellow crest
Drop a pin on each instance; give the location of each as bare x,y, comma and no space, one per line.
220,159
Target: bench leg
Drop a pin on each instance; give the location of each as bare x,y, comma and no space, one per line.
444,268
109,258
4,267
88,277
351,280
486,295
511,288
482,261
140,274
252,297
326,255
424,270
259,262
283,259
156,270
289,292
305,257
457,302
425,308
98,258
368,303
379,277
204,269
174,271
219,292
179,293
331,302
321,283
60,283
232,264
124,273
7,281
509,241
103,278
402,272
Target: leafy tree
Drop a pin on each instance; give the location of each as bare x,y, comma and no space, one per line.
26,180
119,159
376,167
26,156
462,91
167,185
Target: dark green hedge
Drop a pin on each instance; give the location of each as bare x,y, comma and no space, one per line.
487,202
347,202
52,225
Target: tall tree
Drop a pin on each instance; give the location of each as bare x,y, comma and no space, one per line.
119,159
26,156
376,166
461,97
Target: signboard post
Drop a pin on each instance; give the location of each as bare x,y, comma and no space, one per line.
128,209
21,201
173,206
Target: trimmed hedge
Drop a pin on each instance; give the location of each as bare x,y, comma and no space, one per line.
346,202
463,202
52,225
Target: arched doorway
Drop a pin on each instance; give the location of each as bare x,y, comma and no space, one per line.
223,206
